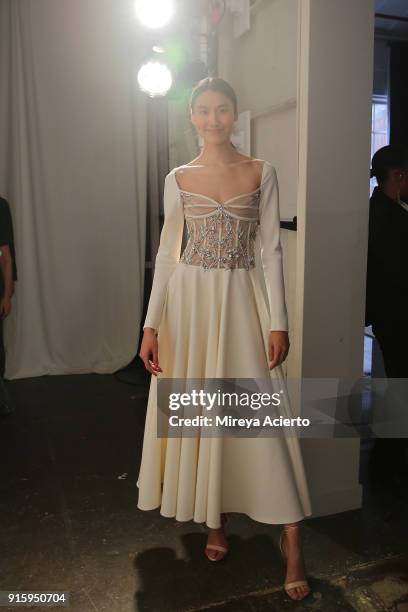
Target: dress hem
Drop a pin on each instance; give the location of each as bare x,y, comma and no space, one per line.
252,517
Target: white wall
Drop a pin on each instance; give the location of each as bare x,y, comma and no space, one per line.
261,65
334,160
319,52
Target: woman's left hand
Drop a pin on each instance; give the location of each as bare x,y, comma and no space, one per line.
278,347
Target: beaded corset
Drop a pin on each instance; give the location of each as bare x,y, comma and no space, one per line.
221,235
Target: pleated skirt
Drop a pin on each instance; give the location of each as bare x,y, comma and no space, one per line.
215,324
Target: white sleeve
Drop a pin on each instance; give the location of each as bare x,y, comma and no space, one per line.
271,249
168,253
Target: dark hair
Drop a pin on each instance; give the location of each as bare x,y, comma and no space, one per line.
386,159
213,84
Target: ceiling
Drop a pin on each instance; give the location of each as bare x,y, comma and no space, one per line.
387,26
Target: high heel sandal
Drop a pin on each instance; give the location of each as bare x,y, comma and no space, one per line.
292,585
224,521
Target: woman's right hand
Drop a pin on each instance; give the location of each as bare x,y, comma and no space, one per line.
149,351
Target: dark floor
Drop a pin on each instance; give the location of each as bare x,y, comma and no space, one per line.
70,456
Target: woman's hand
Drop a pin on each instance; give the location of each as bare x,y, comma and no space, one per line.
149,351
278,347
5,307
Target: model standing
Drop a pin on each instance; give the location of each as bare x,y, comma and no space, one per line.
207,318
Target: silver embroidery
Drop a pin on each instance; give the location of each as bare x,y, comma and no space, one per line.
224,235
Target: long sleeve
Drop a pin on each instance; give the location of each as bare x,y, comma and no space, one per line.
271,249
168,253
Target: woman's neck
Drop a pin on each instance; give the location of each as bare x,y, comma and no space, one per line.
218,154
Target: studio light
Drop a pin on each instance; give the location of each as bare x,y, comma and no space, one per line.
154,78
154,13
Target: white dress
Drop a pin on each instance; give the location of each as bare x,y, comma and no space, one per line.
213,321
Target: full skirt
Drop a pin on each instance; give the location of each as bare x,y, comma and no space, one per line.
215,324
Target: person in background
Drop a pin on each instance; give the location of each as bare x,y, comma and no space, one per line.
387,283
8,274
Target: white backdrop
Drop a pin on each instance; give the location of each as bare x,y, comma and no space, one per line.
73,168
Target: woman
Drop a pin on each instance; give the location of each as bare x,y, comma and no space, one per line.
207,318
387,284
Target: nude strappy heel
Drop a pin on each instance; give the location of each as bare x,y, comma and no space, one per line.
224,521
292,585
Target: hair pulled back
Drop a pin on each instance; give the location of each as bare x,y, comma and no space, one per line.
213,84
388,158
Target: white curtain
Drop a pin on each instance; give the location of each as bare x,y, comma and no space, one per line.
73,167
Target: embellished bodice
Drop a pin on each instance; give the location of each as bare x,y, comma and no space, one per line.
220,235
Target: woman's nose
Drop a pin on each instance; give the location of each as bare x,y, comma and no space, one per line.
213,120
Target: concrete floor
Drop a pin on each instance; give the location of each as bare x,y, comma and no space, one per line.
70,456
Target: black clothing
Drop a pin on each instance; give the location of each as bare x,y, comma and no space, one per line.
6,239
2,352
394,347
387,277
387,309
6,232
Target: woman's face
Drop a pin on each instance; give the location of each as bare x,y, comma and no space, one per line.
398,180
213,116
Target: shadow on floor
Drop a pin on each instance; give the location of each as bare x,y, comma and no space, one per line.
70,454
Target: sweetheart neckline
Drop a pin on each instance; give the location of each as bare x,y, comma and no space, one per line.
201,195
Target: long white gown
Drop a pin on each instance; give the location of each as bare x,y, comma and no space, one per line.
213,321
